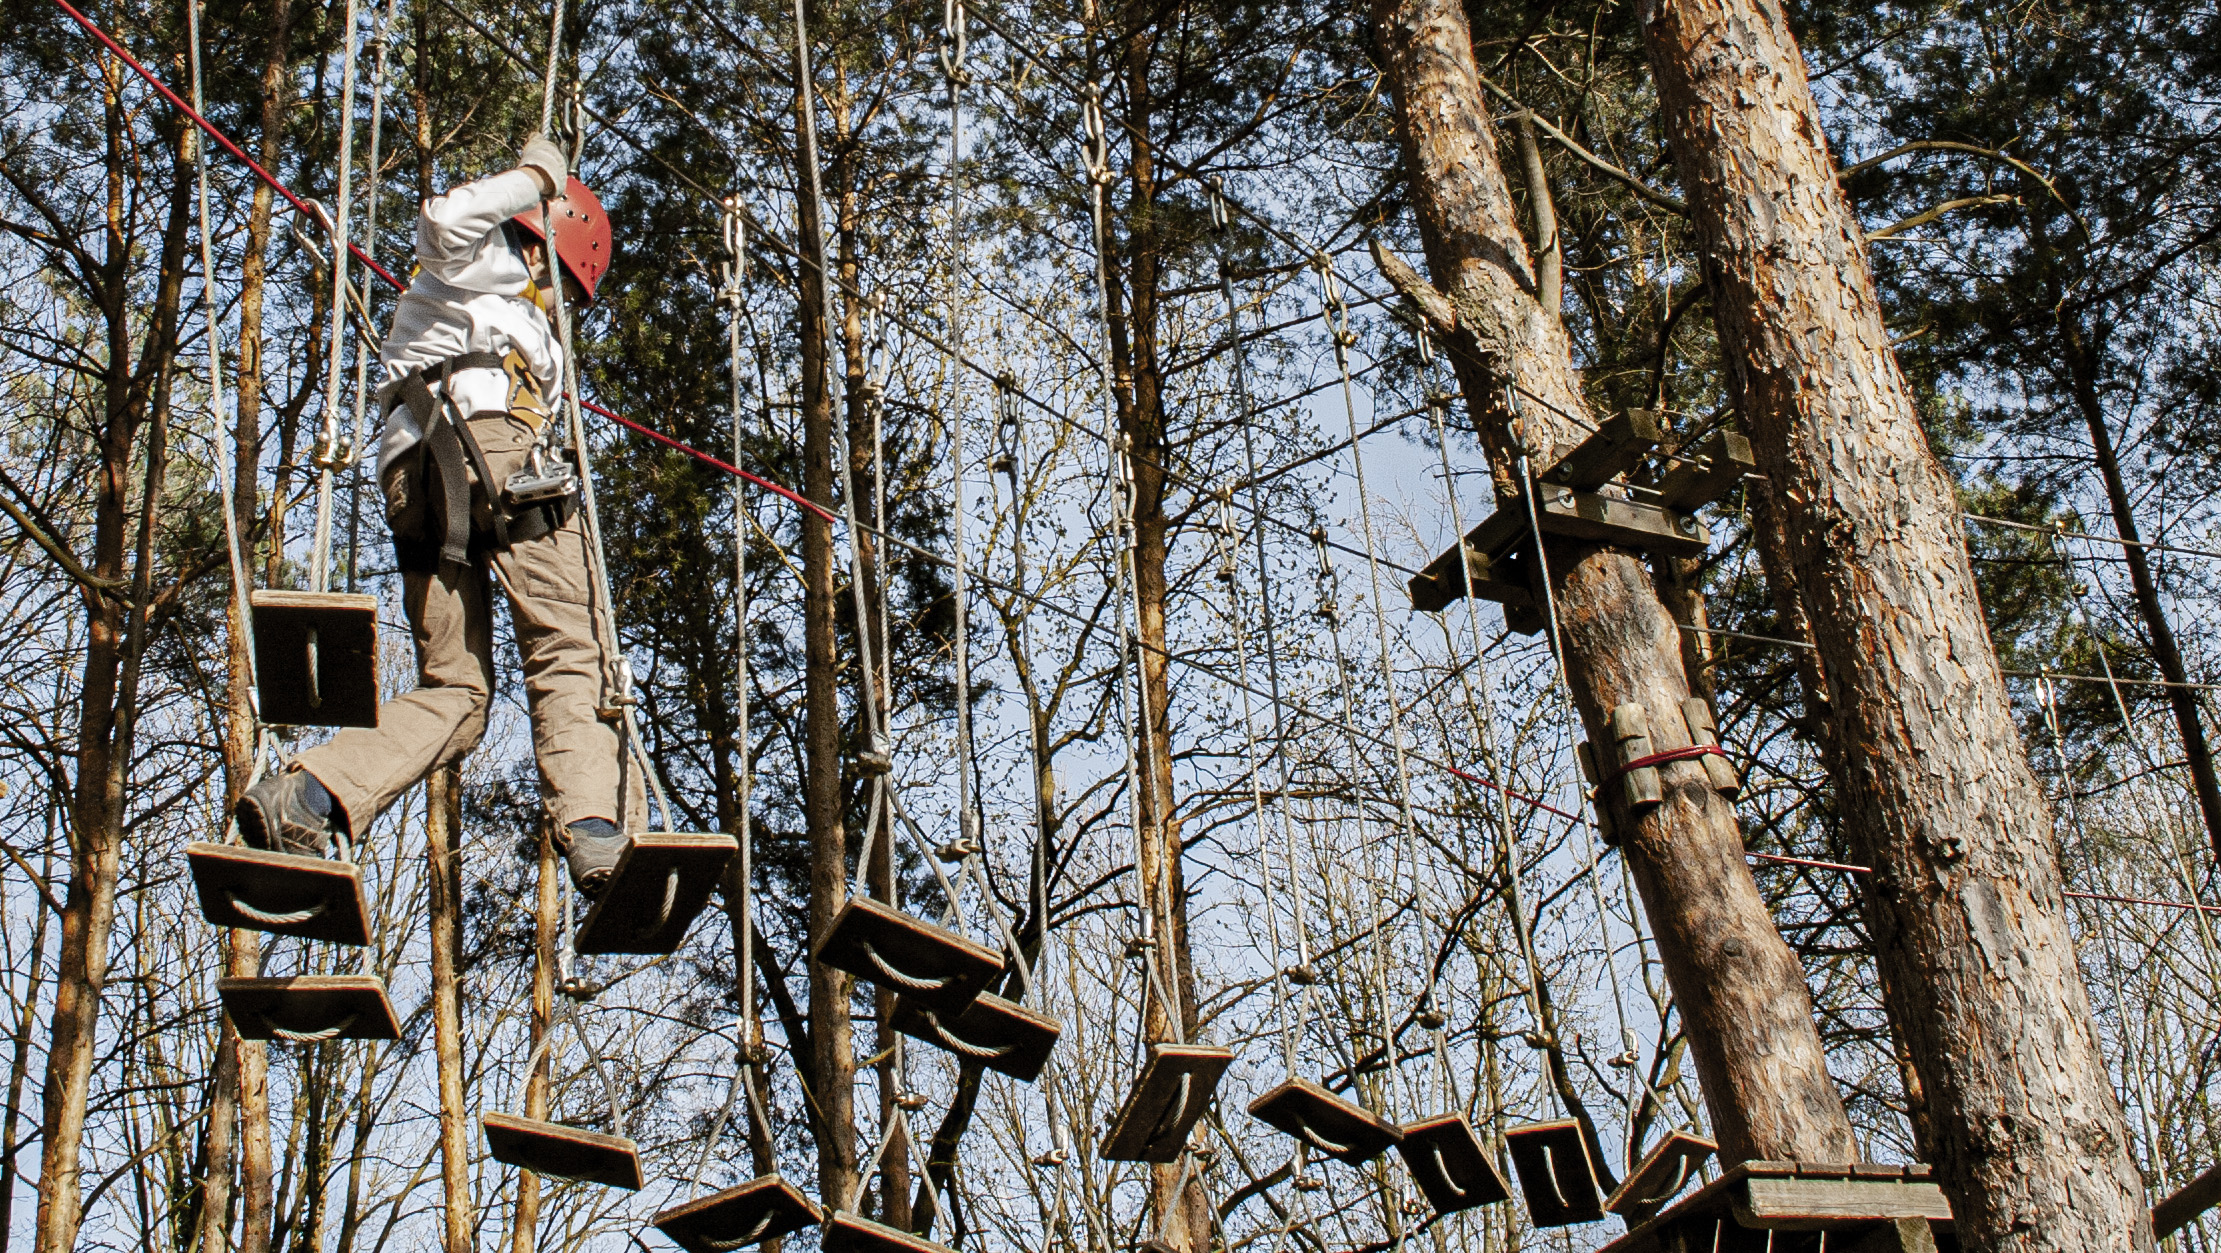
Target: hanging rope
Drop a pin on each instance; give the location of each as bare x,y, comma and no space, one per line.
374,176
331,449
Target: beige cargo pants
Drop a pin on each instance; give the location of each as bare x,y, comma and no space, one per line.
450,613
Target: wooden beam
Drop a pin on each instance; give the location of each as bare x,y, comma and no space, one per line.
1491,550
1707,472
1627,523
1436,587
2189,1201
1614,448
1818,1204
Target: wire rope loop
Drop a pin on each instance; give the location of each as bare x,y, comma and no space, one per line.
735,266
963,1047
953,43
1098,139
332,1032
908,983
268,918
750,1236
1220,218
1306,1133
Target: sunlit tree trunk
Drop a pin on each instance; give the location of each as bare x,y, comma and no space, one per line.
1977,958
1739,988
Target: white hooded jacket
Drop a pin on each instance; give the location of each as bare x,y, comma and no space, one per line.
471,293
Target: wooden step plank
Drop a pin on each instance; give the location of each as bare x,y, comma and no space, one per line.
1664,1171
308,1009
998,1034
847,1233
1176,1085
316,658
764,1208
281,893
1340,1129
1451,1165
1555,1173
934,966
561,1152
662,882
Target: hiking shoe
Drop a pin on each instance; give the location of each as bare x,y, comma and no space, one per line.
289,812
593,846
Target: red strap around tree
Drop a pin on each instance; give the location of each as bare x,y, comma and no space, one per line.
1674,754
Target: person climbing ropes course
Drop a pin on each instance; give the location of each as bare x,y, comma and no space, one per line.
477,488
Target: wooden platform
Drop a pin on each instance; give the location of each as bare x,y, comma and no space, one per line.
1175,1087
662,882
998,1034
1786,1206
846,1233
1556,1174
1664,1171
1451,1165
937,968
561,1152
1341,1129
282,893
316,658
764,1208
309,1009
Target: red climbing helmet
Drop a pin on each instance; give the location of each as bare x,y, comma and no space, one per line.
582,240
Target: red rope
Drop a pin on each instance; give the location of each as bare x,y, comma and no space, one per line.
1478,781
1674,754
706,459
309,211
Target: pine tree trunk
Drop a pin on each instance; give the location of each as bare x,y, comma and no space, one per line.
1740,990
135,399
443,804
2166,653
831,1073
1969,928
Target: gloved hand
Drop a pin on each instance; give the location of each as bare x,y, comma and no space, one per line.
543,157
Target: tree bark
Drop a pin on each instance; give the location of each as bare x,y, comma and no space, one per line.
1970,931
443,804
831,1068
1740,990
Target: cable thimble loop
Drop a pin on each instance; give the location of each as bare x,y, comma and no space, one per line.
953,43
1220,218
1098,139
736,250
1330,293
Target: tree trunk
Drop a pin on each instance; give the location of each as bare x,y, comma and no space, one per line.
1130,299
546,926
135,395
443,805
831,1069
1970,931
1740,990
2182,700
19,1066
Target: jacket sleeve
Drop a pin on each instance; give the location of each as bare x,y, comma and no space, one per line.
452,228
